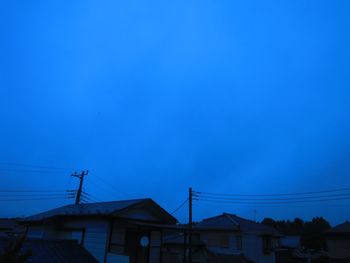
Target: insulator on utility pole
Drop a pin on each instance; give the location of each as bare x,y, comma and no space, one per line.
80,189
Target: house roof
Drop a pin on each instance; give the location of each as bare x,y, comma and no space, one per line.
236,223
113,208
7,224
54,251
10,226
343,228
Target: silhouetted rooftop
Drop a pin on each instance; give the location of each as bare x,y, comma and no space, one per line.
343,228
233,222
96,209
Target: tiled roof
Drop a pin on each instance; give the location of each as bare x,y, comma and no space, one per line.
10,227
341,229
101,209
251,226
233,222
53,251
218,222
7,223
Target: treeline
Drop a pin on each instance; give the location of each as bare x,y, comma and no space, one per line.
312,232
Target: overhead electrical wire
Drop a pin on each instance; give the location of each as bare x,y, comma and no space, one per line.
261,199
30,199
276,202
277,198
34,166
30,191
106,184
278,194
179,207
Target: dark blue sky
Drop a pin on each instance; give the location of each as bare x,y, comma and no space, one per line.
155,96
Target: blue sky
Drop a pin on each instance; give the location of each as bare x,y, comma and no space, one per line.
156,96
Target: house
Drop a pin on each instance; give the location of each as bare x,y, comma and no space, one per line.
338,242
228,234
10,228
175,242
118,231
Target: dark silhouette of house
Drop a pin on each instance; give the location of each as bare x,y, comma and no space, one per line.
338,242
229,234
224,238
10,228
118,231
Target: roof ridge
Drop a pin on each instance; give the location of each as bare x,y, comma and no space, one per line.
229,216
67,209
116,201
245,219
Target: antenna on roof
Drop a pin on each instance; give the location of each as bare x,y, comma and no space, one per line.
80,189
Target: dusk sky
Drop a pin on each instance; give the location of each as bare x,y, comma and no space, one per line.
153,97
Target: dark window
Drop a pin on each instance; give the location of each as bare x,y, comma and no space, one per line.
267,244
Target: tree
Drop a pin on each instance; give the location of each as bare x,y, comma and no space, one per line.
311,232
313,236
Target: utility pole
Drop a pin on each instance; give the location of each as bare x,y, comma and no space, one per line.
190,224
80,189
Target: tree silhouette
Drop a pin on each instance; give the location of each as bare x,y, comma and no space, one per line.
311,233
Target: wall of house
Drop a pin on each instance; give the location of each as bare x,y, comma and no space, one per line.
118,242
339,248
139,214
221,242
95,238
154,254
252,246
35,232
118,238
96,235
227,243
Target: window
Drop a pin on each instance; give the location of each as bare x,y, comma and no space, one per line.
267,244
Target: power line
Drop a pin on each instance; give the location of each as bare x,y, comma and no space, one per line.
110,185
29,191
283,194
93,198
271,203
180,206
30,199
276,198
31,195
30,171
35,166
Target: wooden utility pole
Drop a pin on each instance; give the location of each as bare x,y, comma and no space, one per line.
190,224
80,189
